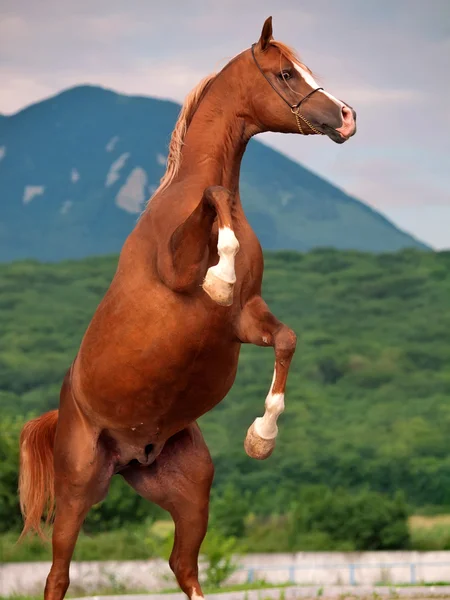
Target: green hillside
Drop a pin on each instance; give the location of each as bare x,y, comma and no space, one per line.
76,170
368,394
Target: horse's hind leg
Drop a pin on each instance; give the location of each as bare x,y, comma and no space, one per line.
179,481
186,263
257,325
82,475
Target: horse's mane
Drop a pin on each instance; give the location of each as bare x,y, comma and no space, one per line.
188,110
179,133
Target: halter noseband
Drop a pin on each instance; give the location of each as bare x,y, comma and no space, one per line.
295,108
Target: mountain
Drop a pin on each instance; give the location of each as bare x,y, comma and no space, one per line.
77,168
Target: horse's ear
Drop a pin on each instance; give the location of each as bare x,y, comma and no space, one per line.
266,34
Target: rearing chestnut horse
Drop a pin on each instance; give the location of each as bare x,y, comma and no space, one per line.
162,348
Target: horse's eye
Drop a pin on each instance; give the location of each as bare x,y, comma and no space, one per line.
285,75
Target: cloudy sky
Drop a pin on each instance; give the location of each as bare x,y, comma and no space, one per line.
390,59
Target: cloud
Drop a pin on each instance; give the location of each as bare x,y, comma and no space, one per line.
21,89
388,60
164,80
375,96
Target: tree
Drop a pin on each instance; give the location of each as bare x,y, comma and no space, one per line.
367,520
229,509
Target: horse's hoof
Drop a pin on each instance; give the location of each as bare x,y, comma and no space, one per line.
217,289
256,446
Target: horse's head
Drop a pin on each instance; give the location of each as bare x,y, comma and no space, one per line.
286,98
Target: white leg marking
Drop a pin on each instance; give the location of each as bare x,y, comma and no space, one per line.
220,279
195,596
227,248
266,426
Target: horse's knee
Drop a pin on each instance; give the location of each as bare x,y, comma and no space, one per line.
285,342
57,584
186,574
217,193
182,567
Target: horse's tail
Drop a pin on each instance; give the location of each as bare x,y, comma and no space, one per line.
36,479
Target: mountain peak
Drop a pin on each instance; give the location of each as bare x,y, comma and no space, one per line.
77,168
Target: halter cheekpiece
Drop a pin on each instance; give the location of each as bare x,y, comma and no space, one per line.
295,108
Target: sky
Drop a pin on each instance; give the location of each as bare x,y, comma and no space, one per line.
389,59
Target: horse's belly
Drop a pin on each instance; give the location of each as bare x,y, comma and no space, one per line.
157,384
209,380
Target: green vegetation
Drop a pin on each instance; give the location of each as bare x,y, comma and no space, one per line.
323,519
367,410
220,552
430,533
126,543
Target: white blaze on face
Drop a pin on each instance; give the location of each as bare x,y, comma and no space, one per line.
227,248
309,79
266,426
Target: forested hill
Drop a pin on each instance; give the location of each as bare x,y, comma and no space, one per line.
368,394
77,169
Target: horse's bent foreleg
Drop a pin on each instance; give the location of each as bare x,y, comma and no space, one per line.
258,326
189,246
82,475
220,279
185,264
179,481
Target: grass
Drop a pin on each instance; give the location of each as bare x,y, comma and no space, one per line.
427,533
424,584
429,522
19,597
430,532
125,544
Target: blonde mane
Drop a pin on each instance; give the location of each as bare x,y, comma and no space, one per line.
187,111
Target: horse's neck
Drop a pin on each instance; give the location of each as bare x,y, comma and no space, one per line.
215,143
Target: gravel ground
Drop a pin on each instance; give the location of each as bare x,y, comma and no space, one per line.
305,592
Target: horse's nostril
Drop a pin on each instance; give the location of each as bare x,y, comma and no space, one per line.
346,113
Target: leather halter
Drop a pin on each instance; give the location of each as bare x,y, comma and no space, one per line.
295,108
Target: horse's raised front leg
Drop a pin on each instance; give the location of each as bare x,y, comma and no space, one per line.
189,249
179,481
257,325
220,279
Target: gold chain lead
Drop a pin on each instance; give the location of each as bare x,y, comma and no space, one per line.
298,116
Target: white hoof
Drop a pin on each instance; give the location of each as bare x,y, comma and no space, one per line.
256,446
217,289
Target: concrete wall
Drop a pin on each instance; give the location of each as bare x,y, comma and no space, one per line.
322,568
352,568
